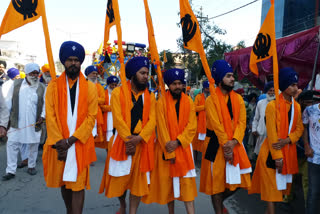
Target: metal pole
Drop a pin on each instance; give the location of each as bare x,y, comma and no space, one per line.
315,63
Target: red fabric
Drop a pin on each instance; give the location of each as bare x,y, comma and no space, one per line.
297,51
84,153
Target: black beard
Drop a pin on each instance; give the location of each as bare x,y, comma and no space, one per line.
226,87
72,72
176,96
139,86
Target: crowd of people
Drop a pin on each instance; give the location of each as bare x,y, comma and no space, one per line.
154,143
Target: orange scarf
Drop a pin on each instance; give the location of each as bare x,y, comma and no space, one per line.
85,153
105,114
239,153
99,115
184,161
290,162
202,125
118,151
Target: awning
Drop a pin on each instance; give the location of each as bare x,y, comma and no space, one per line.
297,51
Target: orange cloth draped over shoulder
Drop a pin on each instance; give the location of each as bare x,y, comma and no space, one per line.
201,118
264,178
100,139
184,129
143,160
213,174
56,119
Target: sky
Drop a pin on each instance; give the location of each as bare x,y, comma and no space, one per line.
83,21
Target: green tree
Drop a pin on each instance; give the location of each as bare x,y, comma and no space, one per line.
170,59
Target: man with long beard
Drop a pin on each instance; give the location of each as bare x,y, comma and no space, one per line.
92,75
226,165
259,122
26,109
130,159
173,177
71,110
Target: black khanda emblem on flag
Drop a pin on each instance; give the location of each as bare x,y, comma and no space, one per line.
110,12
189,28
26,7
262,46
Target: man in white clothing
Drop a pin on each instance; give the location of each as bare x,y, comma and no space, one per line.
26,114
259,129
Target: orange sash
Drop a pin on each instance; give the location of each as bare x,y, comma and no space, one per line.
85,152
290,162
99,115
202,117
184,161
239,153
105,114
118,151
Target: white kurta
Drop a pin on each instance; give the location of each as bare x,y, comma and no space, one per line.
109,121
28,101
259,125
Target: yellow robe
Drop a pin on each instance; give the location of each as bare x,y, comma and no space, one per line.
264,178
161,186
196,143
55,167
213,176
136,181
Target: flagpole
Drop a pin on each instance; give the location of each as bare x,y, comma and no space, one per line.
48,44
315,64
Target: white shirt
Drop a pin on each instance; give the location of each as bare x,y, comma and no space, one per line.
316,83
258,123
110,120
5,90
28,100
311,117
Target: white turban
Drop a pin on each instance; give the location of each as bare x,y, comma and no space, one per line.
31,67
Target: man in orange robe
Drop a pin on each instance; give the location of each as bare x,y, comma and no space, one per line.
200,136
225,166
277,160
71,109
112,83
174,174
130,159
92,75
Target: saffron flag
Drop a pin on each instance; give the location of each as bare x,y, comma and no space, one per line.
153,47
165,57
265,47
21,12
110,21
115,11
192,37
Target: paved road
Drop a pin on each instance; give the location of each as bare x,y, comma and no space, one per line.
29,194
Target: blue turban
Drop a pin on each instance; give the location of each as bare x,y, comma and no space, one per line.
90,69
172,75
71,48
287,76
219,69
135,64
112,79
205,84
13,72
267,86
